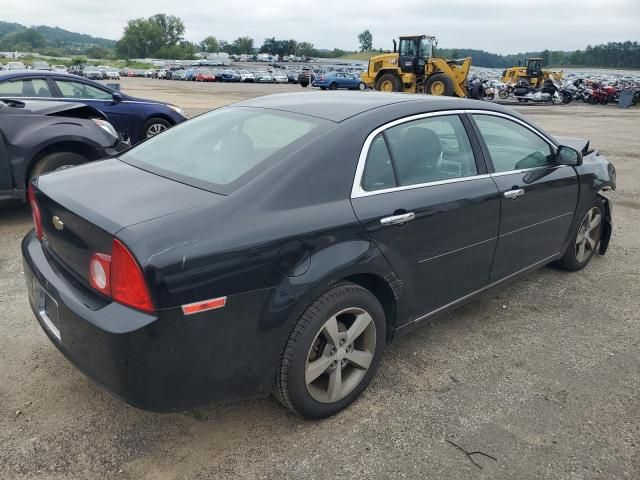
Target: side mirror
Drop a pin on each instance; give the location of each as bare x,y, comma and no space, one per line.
117,97
568,156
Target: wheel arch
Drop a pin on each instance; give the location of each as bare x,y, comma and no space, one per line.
72,146
607,226
383,291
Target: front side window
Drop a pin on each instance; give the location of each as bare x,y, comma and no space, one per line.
512,146
71,89
222,150
32,87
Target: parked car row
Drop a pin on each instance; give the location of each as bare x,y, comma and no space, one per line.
204,74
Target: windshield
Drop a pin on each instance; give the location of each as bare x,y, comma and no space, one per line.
222,150
426,48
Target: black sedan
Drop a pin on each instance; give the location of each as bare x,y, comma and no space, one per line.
278,244
38,137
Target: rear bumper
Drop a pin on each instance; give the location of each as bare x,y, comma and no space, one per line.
166,361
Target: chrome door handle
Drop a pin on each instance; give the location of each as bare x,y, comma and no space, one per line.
398,219
514,193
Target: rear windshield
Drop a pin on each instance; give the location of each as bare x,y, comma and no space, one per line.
222,150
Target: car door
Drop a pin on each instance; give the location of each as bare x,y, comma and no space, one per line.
422,193
119,113
538,197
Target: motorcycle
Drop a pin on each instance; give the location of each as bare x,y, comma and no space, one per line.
550,92
480,89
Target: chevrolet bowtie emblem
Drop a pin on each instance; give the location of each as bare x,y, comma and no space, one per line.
57,223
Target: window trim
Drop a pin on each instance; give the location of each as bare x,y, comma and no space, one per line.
358,192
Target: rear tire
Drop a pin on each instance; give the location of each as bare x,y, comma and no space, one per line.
388,82
332,353
503,94
439,84
333,86
585,240
55,161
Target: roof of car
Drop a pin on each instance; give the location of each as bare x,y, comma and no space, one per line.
339,106
39,73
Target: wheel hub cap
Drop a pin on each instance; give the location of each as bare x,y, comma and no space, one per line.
340,355
588,234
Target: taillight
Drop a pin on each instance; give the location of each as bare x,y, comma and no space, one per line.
127,281
119,277
35,212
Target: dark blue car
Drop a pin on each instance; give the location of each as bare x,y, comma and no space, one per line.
134,118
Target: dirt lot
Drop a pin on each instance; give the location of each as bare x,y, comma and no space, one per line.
543,375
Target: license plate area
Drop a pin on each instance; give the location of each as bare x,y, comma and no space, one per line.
47,309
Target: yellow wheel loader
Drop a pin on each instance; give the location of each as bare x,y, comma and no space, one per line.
532,72
413,68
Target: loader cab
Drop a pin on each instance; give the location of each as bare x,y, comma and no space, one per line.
414,52
534,67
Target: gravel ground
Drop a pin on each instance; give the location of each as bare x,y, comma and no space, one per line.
542,375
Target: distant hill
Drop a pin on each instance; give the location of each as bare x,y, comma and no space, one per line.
43,39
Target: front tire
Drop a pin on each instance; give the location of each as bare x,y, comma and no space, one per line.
332,353
333,86
362,86
439,84
585,240
154,126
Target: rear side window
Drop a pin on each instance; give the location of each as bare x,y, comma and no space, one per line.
222,150
32,87
421,151
378,172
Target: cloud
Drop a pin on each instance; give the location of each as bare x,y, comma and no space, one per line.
501,26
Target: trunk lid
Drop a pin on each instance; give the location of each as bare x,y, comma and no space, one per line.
84,207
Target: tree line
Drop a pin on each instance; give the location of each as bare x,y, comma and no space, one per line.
609,55
162,36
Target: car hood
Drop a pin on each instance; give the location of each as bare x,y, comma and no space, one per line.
580,144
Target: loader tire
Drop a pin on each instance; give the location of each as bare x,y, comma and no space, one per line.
439,84
389,82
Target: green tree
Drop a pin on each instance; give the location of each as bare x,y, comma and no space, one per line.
146,37
242,45
210,44
366,41
306,49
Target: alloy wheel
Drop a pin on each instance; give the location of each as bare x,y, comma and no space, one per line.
155,129
588,234
340,355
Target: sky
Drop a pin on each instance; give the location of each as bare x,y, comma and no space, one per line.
500,26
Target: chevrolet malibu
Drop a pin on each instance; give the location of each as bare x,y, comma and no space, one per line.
298,235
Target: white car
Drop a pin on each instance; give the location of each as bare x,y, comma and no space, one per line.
113,75
264,77
15,66
60,68
280,78
247,76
